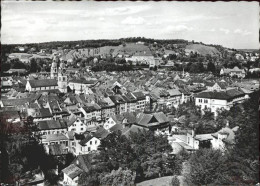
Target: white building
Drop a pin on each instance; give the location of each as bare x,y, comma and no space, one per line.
216,101
42,84
71,175
233,72
80,85
88,145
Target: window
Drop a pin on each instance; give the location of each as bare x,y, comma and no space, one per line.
95,141
81,129
89,148
73,143
90,142
205,101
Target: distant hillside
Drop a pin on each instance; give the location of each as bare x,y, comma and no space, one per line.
202,49
248,50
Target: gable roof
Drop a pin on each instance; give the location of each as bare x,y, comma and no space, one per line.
83,161
72,171
213,95
86,139
51,124
15,102
43,83
144,119
101,133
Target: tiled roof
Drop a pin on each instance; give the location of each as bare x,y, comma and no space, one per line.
15,102
72,171
139,95
145,119
133,128
43,83
174,92
86,139
54,137
83,161
214,95
91,108
101,133
51,124
116,127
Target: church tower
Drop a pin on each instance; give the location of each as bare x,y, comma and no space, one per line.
54,69
62,78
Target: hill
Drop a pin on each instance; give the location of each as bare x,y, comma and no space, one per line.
202,49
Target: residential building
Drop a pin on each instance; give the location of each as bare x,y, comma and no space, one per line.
154,121
71,175
216,101
88,145
240,73
51,127
120,103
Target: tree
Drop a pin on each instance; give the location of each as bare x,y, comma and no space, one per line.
211,67
207,166
143,153
118,177
34,66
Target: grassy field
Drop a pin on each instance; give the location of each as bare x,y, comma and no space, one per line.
202,49
163,181
25,55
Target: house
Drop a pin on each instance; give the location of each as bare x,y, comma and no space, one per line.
83,162
18,104
140,101
39,114
107,107
154,121
130,102
218,86
240,73
143,57
120,103
42,84
87,145
91,112
71,175
55,109
174,98
50,139
224,138
76,124
216,101
110,122
51,127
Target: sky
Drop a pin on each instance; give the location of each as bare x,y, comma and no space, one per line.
230,24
